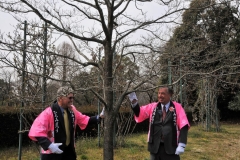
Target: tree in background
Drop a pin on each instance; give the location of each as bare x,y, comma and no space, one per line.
12,55
65,67
201,51
234,104
3,91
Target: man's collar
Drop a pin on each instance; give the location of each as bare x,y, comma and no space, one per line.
62,109
166,105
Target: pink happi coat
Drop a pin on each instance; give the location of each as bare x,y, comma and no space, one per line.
43,125
147,110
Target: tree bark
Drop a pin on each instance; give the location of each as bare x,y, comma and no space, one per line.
108,136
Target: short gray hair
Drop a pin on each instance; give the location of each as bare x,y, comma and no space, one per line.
64,91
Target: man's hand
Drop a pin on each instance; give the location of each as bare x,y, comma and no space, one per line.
102,113
132,97
180,148
53,147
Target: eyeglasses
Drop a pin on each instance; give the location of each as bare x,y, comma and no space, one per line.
70,98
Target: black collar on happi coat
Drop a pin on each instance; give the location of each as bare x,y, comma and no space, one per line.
58,118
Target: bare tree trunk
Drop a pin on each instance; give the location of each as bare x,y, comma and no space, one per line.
108,136
110,115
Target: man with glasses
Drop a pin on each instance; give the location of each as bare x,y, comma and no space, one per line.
168,128
54,128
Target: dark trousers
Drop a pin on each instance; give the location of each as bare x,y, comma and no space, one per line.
68,154
162,155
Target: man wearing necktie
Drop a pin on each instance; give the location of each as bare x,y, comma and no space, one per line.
167,136
54,128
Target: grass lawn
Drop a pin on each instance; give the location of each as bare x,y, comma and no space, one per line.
202,145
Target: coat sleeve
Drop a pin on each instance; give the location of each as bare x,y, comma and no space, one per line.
145,113
81,119
41,124
44,142
183,135
94,120
136,110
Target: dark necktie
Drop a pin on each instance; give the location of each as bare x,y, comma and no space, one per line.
66,123
164,112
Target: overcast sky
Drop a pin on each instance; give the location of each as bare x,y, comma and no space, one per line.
8,23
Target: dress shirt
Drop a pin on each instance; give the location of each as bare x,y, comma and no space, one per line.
166,105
